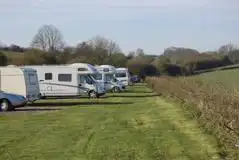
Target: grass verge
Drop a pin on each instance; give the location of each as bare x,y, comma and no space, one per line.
134,125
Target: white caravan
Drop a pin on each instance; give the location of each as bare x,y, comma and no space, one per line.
20,81
107,78
122,74
62,80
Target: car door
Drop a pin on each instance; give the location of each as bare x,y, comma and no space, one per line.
108,81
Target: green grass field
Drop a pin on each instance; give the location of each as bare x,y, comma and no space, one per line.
229,79
126,126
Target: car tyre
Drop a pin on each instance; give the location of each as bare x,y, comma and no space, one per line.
5,105
116,89
92,94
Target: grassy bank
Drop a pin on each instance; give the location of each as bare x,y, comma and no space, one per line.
134,125
213,99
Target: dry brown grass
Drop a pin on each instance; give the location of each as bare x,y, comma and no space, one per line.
215,106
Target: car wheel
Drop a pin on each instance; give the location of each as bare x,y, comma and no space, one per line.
92,94
116,89
97,96
5,105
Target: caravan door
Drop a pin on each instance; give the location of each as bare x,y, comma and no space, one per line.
86,84
32,85
108,81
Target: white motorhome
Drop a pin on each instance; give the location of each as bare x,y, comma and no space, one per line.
122,74
85,68
20,81
65,80
107,78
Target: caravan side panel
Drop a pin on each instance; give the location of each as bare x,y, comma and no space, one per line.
49,82
63,83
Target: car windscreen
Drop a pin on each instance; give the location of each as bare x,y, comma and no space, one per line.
91,79
120,74
97,76
109,77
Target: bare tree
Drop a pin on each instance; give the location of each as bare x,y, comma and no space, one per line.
113,48
225,49
107,46
48,38
139,52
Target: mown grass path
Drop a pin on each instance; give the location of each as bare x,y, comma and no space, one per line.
124,126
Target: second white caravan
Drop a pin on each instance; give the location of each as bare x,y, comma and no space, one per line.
122,74
106,76
20,81
62,80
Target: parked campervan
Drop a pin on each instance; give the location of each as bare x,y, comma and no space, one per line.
106,76
91,71
122,74
65,80
20,81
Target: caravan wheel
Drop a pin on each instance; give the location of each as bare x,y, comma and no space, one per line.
92,94
5,105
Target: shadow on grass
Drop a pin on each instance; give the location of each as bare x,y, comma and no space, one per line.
36,109
134,96
67,104
138,92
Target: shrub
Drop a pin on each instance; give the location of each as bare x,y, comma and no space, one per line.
3,59
214,106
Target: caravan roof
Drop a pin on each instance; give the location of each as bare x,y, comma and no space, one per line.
84,68
13,70
106,68
122,69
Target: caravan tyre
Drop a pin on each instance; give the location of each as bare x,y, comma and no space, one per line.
5,105
92,94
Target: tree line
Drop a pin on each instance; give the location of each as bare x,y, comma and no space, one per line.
48,47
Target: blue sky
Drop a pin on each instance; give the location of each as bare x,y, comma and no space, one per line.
152,25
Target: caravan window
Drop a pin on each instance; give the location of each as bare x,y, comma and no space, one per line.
86,79
48,76
64,77
82,79
32,78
